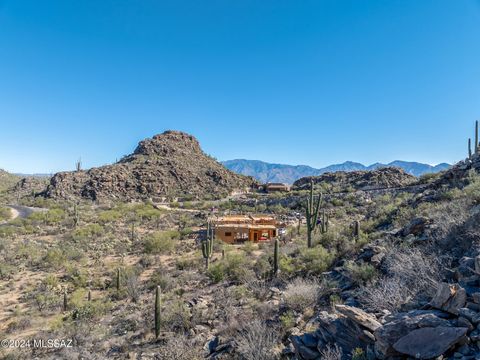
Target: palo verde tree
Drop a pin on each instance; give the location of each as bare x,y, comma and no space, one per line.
311,211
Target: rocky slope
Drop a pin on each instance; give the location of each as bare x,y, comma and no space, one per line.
359,180
171,164
7,180
430,272
267,172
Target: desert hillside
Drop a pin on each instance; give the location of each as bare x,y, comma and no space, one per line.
168,165
361,265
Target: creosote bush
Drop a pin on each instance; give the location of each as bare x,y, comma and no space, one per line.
301,293
160,242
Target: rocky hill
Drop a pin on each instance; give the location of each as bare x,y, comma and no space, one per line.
267,172
359,180
170,164
7,180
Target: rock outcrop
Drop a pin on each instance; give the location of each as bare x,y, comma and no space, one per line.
171,165
383,178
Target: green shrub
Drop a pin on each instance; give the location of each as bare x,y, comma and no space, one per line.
361,273
160,242
216,272
109,216
54,258
87,232
316,260
5,214
287,320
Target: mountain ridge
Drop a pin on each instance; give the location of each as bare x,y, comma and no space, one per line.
284,173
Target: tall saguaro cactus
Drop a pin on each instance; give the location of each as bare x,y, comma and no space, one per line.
65,300
311,212
275,258
325,222
76,215
157,312
207,246
469,148
356,229
475,150
118,280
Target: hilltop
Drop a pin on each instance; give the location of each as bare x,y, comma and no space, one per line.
171,164
267,172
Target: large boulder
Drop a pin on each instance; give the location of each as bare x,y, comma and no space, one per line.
332,329
429,342
401,325
449,297
359,316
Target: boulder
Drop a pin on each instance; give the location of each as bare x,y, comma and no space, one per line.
416,227
449,298
401,325
429,342
359,316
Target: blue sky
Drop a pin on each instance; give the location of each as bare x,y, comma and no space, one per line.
302,82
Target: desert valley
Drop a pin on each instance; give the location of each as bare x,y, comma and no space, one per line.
166,254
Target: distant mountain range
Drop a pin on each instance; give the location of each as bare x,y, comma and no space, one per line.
266,172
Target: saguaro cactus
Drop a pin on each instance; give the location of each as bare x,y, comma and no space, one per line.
118,280
78,164
469,148
65,300
311,211
89,297
76,216
356,229
325,221
476,138
157,312
275,258
207,246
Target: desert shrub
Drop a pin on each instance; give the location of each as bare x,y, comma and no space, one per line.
257,341
300,294
176,316
216,272
162,279
235,267
360,273
179,347
287,320
109,216
87,232
132,283
286,265
187,263
6,270
5,213
331,352
146,212
54,258
359,354
46,296
90,310
18,325
409,273
160,242
77,276
315,260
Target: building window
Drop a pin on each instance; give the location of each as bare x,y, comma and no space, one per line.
228,234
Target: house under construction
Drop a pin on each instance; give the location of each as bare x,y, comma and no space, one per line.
234,229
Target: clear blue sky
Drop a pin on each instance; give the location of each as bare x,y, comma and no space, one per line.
302,82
